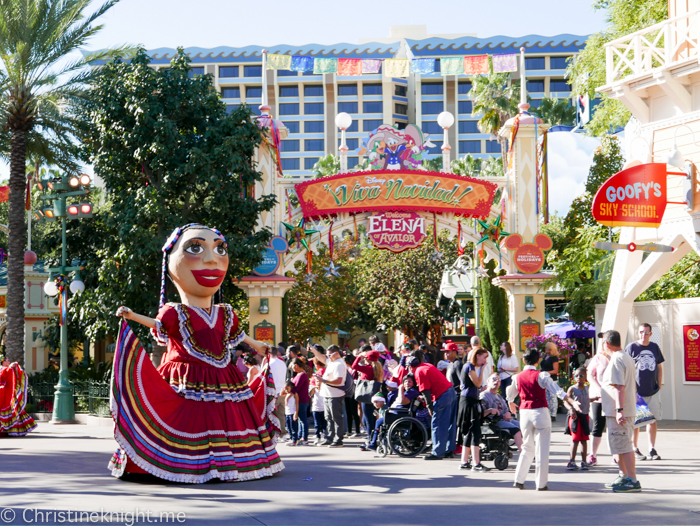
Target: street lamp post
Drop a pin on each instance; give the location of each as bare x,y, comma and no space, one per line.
63,188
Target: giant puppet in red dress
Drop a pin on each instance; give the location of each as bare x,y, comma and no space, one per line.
193,418
14,420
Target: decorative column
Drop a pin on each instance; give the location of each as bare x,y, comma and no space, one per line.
265,295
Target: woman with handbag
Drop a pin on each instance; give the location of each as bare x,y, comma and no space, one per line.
371,375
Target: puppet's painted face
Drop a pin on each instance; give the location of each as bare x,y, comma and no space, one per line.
198,262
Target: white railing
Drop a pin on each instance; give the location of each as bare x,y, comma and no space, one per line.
659,46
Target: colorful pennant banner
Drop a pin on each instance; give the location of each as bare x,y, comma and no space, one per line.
397,68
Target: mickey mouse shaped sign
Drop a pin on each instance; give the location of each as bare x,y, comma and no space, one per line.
272,257
529,257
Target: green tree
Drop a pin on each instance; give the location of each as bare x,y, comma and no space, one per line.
580,270
496,99
587,71
328,165
556,111
468,166
39,86
494,311
399,290
681,281
327,302
169,154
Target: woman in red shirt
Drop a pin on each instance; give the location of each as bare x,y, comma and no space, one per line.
371,370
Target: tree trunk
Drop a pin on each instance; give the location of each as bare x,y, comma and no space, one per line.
16,242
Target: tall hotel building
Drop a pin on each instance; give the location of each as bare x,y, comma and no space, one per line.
307,103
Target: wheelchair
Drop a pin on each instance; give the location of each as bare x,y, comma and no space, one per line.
402,433
495,443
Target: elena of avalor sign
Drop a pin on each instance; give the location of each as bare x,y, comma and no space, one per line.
396,231
633,197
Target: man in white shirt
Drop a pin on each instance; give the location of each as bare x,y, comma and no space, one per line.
535,423
619,399
333,393
279,371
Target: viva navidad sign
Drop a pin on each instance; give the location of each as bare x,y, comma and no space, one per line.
395,190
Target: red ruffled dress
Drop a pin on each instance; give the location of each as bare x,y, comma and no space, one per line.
14,420
193,418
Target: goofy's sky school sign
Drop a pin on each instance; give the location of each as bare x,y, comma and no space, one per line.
396,190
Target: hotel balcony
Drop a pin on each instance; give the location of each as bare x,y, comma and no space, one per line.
655,71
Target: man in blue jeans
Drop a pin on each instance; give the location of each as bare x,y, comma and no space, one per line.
442,404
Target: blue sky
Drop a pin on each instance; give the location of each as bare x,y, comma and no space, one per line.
212,23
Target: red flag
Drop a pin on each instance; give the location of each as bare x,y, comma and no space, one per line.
4,193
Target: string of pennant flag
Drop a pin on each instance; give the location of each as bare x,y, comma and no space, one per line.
397,67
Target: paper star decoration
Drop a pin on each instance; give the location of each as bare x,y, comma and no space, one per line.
299,233
437,256
332,270
492,231
310,278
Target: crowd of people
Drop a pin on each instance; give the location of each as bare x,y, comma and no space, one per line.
459,387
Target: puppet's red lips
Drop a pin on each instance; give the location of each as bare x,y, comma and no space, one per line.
209,277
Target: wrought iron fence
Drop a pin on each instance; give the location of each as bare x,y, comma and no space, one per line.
89,396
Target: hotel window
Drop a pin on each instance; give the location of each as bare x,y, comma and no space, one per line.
464,107
231,93
287,73
468,127
347,107
431,107
437,148
401,109
431,88
352,144
290,145
400,91
290,164
313,108
464,87
493,147
231,107
401,125
353,127
371,89
315,90
372,107
535,103
347,89
534,63
535,86
252,71
253,92
289,109
309,163
292,126
313,127
559,86
469,146
437,65
352,162
558,62
289,91
369,125
313,145
431,127
196,71
228,72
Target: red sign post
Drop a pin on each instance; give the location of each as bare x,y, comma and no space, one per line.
633,197
691,352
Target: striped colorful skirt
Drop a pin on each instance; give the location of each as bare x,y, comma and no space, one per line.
167,435
14,420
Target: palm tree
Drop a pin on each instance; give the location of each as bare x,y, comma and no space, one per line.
39,84
467,165
555,111
495,98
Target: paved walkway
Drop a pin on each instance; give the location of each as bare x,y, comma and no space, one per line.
64,468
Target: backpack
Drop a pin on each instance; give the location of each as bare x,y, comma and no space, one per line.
348,387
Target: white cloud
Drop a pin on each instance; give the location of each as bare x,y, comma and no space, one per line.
570,158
